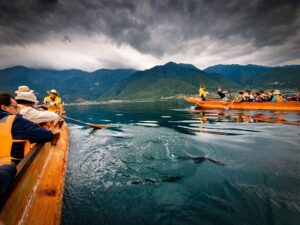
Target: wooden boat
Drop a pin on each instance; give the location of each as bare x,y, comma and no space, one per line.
36,195
215,104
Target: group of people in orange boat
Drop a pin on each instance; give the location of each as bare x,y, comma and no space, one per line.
23,122
247,96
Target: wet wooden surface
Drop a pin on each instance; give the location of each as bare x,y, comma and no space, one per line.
37,197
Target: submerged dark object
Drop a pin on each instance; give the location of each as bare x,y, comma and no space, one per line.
200,159
150,180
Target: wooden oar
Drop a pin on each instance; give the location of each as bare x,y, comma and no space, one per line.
228,107
94,126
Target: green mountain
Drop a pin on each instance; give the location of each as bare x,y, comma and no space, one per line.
160,81
72,84
166,80
254,76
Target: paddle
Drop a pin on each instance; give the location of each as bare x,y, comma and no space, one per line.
228,108
196,106
94,126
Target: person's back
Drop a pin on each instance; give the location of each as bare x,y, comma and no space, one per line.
26,103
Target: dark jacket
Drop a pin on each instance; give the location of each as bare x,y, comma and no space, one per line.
24,129
7,174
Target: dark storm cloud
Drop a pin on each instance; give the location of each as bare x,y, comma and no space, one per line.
156,27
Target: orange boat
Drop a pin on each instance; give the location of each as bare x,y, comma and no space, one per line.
215,104
37,192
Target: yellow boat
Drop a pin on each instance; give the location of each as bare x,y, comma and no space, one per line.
215,104
37,192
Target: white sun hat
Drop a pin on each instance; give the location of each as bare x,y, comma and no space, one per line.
276,92
52,91
23,88
27,96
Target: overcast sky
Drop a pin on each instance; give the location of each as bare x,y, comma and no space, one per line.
93,34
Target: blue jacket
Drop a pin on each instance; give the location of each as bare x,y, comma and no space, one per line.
26,130
7,174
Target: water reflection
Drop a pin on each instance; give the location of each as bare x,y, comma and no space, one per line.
166,164
213,116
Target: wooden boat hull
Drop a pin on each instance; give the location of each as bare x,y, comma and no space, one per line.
215,104
37,196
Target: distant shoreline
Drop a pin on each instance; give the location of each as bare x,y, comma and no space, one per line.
115,101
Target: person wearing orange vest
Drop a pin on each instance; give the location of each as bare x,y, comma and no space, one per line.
277,97
16,132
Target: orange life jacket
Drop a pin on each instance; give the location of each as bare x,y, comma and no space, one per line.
6,140
279,98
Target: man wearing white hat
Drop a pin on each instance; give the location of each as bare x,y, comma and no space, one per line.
53,102
26,102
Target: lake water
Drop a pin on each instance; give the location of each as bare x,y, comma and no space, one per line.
164,163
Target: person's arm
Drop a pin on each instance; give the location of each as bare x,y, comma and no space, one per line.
26,130
37,116
45,100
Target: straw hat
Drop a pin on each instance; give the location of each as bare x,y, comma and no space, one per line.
27,96
52,91
276,92
23,89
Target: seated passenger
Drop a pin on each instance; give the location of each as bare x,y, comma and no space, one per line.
16,132
264,96
248,97
53,102
239,97
294,98
277,97
270,95
222,94
258,97
26,102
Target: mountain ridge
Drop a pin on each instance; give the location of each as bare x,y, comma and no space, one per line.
159,81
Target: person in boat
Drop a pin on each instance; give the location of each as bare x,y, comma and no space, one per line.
258,97
240,97
264,96
248,97
270,95
202,92
26,102
277,97
16,132
222,94
53,102
294,98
